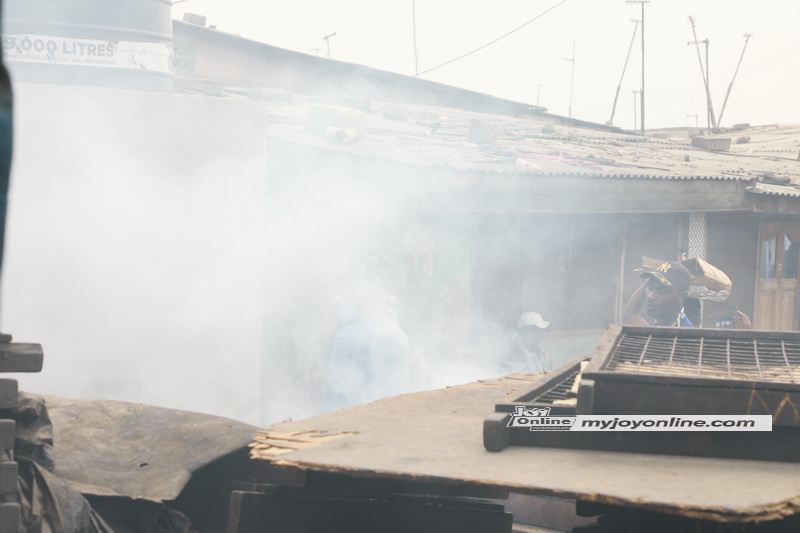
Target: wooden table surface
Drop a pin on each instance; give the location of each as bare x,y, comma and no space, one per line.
437,437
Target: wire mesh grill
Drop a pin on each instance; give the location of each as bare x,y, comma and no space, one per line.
773,360
558,392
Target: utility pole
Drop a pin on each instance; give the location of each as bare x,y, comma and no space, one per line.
641,96
414,26
635,122
538,93
572,77
706,81
727,94
624,67
327,40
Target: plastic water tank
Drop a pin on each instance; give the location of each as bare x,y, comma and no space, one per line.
120,43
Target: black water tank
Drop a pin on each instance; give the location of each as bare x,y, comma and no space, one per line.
120,43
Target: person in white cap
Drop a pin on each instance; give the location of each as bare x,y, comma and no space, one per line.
528,354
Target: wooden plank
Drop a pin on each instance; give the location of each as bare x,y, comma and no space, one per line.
326,483
268,443
9,516
254,512
8,478
496,433
585,397
20,357
437,437
9,395
8,432
618,520
778,445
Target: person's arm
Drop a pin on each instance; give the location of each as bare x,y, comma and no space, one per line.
630,313
741,321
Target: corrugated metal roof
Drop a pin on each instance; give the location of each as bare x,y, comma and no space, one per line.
642,175
774,190
532,145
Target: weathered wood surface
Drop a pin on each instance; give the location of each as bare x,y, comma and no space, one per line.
20,357
436,437
257,512
8,432
8,479
9,516
9,393
273,443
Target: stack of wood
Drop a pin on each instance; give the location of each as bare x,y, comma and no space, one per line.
268,444
14,357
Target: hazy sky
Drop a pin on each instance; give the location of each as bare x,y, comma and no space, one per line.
381,35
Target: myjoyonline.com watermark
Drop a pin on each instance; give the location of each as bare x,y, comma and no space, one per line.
540,419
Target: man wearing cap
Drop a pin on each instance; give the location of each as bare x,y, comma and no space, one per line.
664,292
527,354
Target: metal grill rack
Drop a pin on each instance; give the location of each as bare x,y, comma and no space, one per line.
561,390
774,360
551,388
643,370
667,371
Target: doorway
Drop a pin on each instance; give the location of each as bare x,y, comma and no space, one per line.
776,288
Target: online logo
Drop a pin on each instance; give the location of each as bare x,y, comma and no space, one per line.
539,419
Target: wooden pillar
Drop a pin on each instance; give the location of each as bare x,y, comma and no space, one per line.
698,240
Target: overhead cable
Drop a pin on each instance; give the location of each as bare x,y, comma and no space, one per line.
494,41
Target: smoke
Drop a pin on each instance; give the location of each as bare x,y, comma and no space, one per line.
179,251
162,251
135,246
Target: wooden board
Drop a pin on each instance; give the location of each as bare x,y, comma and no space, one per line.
436,437
257,512
9,393
8,432
21,357
8,479
780,444
9,516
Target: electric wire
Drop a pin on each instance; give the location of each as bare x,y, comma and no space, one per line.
691,104
494,41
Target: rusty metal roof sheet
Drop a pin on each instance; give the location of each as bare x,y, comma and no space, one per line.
534,145
111,448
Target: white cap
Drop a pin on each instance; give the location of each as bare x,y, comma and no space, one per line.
532,319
